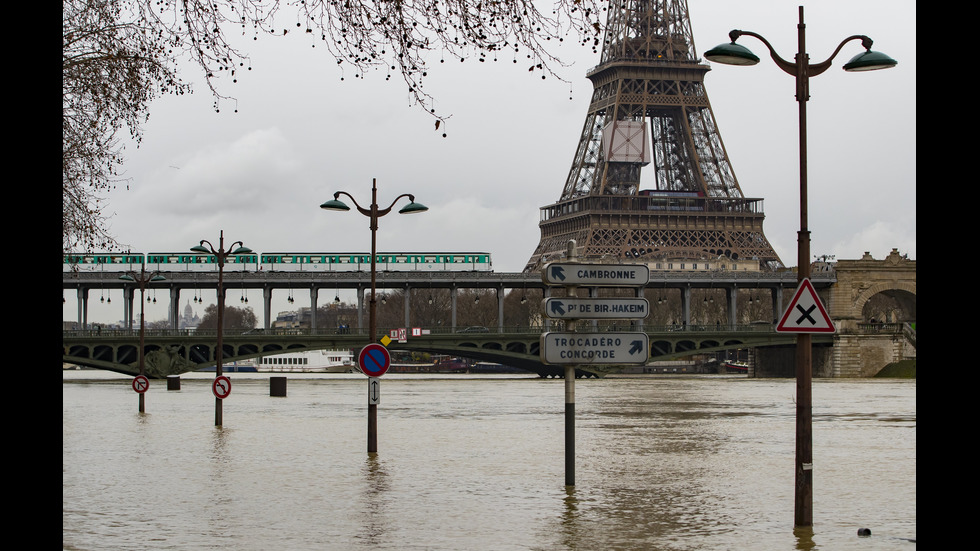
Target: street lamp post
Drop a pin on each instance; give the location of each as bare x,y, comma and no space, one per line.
142,279
373,212
220,255
802,70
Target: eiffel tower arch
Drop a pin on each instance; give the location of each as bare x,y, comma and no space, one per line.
650,110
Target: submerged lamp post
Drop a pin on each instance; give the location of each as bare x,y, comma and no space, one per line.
373,212
142,279
220,255
802,69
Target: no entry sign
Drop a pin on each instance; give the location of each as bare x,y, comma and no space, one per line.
221,387
141,384
374,360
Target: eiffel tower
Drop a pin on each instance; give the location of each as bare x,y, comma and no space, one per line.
649,87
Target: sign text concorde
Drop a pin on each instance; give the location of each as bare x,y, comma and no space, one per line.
568,273
605,348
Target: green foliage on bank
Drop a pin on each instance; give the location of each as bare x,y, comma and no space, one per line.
904,369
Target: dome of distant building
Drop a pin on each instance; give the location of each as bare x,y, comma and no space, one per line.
190,320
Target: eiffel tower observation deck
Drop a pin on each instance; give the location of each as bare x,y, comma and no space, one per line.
650,110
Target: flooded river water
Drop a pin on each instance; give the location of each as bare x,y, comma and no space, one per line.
468,462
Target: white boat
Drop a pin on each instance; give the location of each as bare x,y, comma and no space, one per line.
308,361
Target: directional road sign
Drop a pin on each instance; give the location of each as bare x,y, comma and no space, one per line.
374,391
805,313
596,308
570,273
374,360
603,348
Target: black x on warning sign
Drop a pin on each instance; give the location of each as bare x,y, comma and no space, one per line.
805,313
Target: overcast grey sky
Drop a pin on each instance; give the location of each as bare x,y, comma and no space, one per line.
301,133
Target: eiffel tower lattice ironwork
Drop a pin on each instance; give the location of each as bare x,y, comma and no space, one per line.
649,87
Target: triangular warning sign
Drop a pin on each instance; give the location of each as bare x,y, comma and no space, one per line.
805,313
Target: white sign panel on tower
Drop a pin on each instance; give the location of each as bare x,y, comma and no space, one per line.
626,142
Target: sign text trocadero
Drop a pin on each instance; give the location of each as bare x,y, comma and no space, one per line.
623,348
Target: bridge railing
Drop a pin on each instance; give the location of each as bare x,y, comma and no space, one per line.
879,327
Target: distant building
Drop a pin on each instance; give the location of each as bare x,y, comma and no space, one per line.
189,320
719,264
286,320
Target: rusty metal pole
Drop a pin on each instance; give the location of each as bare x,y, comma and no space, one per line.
141,279
372,421
221,327
803,502
142,283
802,70
220,255
374,213
570,390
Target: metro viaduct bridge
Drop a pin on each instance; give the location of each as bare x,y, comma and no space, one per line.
418,282
173,351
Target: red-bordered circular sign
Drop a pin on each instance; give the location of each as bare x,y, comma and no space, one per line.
141,384
374,360
221,387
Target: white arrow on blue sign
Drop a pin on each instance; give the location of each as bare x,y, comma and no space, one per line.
603,348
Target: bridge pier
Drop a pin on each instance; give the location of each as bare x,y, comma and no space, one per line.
851,355
780,361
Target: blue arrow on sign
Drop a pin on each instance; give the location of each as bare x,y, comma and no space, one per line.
556,306
557,272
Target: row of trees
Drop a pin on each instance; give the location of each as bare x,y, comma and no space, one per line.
118,55
523,308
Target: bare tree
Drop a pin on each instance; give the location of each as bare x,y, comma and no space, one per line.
396,36
120,54
111,69
239,319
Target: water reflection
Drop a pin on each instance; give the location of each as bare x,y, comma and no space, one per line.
570,519
374,502
804,538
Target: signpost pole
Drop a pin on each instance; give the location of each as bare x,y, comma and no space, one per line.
374,361
372,426
374,392
573,349
570,390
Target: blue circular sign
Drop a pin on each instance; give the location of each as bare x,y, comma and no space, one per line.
374,360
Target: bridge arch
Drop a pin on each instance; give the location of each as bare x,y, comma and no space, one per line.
901,295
